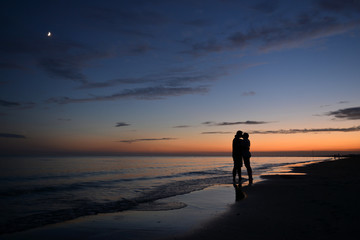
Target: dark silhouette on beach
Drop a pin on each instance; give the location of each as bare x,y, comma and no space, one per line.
240,152
239,194
247,155
237,155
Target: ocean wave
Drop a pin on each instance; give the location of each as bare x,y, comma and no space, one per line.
31,189
92,208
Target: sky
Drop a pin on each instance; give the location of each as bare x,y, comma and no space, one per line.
178,77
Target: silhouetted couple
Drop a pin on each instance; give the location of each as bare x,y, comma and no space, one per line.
240,153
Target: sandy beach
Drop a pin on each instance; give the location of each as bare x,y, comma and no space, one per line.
321,204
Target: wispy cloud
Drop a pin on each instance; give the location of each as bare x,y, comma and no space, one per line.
216,132
5,103
64,119
286,32
209,123
305,130
329,105
150,93
139,23
122,124
147,140
182,126
266,6
346,113
64,59
345,6
291,33
126,18
168,83
170,78
11,135
63,67
16,105
11,65
199,22
247,94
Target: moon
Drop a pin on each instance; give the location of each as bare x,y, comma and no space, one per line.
49,34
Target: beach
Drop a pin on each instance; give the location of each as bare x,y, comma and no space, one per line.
323,204
316,201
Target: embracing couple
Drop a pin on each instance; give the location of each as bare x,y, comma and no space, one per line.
240,152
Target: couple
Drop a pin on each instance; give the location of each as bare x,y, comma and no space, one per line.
241,151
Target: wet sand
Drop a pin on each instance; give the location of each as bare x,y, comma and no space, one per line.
163,218
323,204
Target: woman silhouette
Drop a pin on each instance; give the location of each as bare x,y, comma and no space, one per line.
247,155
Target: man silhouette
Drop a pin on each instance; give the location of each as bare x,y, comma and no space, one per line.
237,155
247,155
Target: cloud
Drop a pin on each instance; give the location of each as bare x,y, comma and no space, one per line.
11,135
120,17
199,22
182,126
329,105
285,32
139,23
205,47
234,123
70,63
246,94
64,119
266,6
5,103
122,124
305,130
170,78
216,132
64,68
16,105
147,139
150,93
291,33
10,65
344,6
346,113
58,57
140,49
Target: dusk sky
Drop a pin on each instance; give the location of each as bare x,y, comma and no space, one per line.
163,76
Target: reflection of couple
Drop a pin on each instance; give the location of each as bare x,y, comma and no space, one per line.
241,152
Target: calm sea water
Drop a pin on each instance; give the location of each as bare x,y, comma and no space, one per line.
40,191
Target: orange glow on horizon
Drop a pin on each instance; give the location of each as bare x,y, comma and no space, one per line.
200,144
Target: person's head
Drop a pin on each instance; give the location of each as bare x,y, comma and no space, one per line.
239,134
246,135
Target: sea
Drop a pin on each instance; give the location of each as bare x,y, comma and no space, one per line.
37,191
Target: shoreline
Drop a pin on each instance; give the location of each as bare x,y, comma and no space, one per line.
323,204
162,218
172,219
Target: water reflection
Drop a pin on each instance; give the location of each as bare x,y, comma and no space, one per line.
239,193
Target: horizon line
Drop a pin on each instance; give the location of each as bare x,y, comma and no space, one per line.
304,153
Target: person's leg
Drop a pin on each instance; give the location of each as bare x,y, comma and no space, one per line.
248,168
234,173
239,173
237,169
234,169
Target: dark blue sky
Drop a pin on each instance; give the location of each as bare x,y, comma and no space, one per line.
178,75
